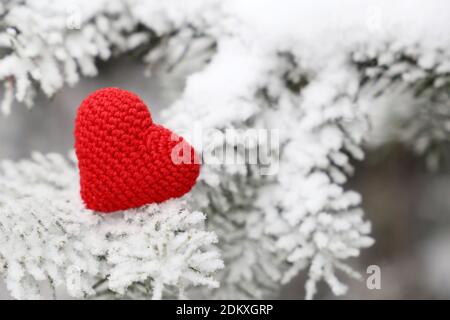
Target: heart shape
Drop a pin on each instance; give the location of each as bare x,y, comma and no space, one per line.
125,160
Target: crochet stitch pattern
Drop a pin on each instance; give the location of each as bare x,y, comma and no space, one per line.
124,159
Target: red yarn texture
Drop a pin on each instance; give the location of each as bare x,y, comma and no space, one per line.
124,158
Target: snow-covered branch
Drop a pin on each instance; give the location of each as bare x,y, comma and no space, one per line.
301,217
47,236
412,83
46,44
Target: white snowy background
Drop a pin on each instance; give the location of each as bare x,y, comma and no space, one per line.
407,204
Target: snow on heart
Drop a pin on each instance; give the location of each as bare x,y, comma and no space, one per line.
125,160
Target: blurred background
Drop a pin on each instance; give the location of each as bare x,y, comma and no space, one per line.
408,205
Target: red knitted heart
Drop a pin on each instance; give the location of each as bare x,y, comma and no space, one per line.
125,160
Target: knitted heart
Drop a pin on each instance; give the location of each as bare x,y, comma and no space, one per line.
125,160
